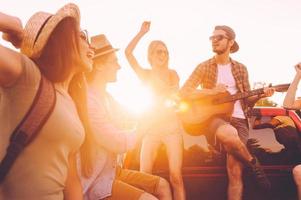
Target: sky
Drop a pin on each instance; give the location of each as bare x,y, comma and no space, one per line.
268,32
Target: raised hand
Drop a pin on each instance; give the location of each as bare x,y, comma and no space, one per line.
298,69
14,35
145,27
14,39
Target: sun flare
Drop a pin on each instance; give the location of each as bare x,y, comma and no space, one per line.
138,101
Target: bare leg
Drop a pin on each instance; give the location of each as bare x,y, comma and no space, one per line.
163,192
297,178
147,196
174,147
234,169
228,136
148,154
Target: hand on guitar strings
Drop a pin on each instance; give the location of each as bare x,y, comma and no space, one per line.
219,88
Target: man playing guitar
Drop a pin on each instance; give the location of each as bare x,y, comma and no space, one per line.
218,75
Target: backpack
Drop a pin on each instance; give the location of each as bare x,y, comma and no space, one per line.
29,127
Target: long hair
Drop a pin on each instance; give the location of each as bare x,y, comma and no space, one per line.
78,92
151,49
57,61
58,57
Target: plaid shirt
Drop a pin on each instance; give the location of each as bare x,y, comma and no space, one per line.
205,76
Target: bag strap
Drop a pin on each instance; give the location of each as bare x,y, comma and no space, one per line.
38,113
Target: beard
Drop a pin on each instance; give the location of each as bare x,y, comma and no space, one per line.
222,50
219,51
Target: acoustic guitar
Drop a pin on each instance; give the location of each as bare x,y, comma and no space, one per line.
196,113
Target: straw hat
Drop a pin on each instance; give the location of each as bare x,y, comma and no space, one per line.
40,26
102,45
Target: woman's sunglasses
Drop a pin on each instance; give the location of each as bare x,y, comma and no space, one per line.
85,36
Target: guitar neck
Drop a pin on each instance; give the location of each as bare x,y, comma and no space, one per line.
238,96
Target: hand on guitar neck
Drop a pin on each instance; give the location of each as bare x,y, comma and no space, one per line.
267,92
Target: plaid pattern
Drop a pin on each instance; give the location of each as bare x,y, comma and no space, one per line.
205,76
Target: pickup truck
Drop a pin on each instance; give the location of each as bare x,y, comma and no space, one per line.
204,170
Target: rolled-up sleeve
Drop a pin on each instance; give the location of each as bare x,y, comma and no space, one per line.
193,81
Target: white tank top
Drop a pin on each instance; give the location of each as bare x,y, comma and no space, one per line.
225,77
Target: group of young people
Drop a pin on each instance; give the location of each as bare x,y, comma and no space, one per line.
74,155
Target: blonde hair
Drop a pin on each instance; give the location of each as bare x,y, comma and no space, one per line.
151,48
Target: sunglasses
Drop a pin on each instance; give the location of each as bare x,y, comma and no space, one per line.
217,38
160,52
85,36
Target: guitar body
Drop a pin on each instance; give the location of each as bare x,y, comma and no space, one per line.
195,118
196,113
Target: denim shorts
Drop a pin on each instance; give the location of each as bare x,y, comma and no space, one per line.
241,126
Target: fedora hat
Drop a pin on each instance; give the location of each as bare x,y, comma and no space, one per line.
40,26
101,45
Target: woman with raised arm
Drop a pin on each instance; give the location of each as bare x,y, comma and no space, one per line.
162,122
290,102
53,47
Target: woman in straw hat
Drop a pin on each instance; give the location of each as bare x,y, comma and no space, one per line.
52,46
164,126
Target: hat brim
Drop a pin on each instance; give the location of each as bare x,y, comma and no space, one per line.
40,33
105,52
69,10
235,47
31,31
